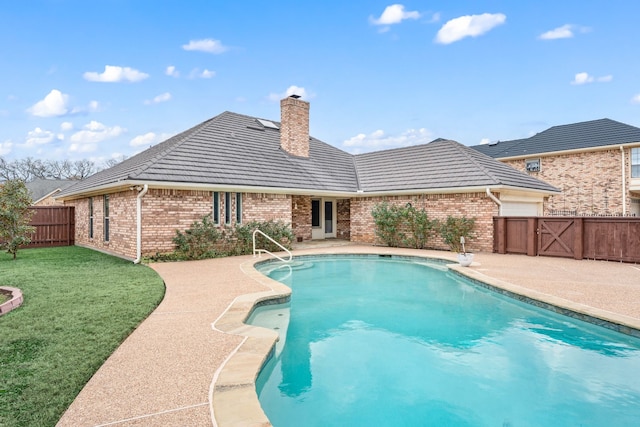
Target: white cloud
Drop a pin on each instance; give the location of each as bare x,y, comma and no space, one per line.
114,73
5,147
584,78
87,139
636,99
206,45
564,32
163,97
54,104
171,71
485,141
394,14
291,90
38,137
148,139
66,126
93,106
469,26
204,74
378,140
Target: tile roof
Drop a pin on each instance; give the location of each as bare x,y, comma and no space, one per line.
438,165
39,188
591,134
237,150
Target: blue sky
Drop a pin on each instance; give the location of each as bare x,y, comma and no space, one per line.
88,79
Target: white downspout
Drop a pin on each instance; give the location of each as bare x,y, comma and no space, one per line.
624,184
495,199
141,194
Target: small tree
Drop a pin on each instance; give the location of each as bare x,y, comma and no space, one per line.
15,216
421,227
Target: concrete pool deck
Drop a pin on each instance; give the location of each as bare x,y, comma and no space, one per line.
185,362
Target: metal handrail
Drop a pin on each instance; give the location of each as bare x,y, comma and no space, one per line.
260,251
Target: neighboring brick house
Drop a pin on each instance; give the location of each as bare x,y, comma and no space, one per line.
43,191
238,168
596,164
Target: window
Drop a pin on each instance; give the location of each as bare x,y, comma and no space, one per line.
315,213
216,208
227,208
239,208
532,165
106,217
91,217
635,162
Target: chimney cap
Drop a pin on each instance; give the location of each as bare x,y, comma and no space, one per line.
294,96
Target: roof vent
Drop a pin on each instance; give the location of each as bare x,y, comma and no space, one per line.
491,144
294,96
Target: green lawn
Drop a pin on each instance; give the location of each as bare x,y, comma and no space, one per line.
79,306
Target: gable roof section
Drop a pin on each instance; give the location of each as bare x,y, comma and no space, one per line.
41,188
237,150
441,164
576,136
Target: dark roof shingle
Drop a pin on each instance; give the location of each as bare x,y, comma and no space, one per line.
576,136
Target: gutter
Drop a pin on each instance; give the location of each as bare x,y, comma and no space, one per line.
495,200
141,192
624,183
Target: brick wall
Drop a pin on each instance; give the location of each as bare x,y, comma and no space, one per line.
591,183
301,217
344,219
122,226
294,126
438,206
49,201
163,212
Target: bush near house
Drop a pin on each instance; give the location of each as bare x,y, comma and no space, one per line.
206,240
15,216
403,225
455,227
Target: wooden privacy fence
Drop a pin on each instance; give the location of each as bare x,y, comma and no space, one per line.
55,226
602,238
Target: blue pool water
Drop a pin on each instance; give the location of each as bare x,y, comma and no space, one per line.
370,341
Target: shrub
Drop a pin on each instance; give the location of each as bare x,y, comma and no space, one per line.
455,227
388,221
199,241
277,230
421,227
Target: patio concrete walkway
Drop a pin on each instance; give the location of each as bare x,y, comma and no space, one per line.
163,374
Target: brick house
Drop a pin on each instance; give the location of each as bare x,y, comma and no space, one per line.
237,168
596,164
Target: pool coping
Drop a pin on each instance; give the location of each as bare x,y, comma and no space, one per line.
233,396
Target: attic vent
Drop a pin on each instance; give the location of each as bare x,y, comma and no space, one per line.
268,124
491,144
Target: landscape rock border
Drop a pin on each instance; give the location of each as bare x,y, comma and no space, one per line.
16,299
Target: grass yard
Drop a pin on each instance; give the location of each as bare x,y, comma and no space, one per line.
79,306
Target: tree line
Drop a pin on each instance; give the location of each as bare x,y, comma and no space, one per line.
30,169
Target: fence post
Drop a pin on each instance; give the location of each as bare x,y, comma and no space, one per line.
500,231
532,236
578,242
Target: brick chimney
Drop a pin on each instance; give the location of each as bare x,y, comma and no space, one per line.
294,126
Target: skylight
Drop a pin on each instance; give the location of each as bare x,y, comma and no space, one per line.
268,124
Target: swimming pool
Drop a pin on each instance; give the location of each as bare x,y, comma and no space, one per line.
389,341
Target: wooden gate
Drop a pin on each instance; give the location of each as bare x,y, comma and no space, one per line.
557,237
